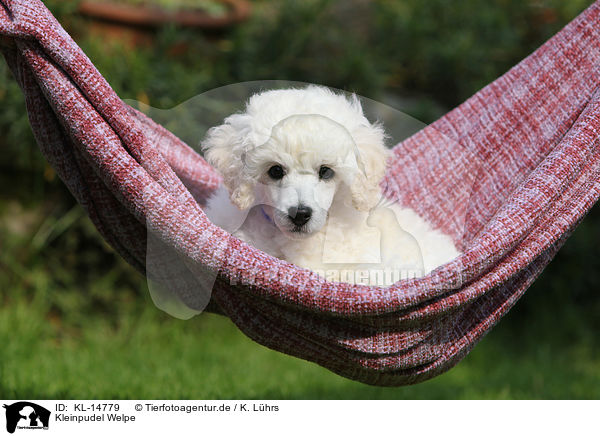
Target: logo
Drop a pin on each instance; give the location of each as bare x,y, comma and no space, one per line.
26,415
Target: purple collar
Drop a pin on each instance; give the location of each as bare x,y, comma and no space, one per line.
267,217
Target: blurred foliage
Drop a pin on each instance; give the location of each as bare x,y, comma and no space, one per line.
52,249
449,50
424,56
318,41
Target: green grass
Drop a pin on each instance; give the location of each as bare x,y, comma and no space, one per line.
546,347
150,356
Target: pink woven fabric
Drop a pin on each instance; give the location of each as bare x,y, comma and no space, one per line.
526,146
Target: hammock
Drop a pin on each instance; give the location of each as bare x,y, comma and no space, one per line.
532,132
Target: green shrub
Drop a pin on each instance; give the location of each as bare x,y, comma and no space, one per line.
449,50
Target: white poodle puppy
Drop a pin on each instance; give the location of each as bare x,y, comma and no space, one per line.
302,171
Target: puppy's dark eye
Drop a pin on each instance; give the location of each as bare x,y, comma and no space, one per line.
326,173
276,172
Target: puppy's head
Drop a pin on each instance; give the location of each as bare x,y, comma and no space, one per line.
295,171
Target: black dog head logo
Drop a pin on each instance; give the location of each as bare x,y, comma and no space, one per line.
26,414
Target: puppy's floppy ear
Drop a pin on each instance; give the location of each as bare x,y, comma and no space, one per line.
224,148
372,158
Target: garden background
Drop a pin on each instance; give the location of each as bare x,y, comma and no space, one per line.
77,322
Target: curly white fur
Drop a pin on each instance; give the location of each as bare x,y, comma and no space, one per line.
302,169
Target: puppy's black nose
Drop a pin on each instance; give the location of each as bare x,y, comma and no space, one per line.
300,215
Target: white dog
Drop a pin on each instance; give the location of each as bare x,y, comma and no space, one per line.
302,169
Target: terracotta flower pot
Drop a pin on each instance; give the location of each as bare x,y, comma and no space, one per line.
154,16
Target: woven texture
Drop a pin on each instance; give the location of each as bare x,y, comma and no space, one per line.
509,174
